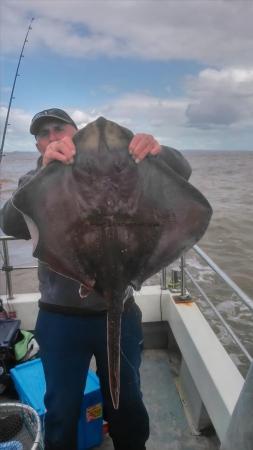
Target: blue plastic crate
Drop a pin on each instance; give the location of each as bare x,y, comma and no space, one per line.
30,384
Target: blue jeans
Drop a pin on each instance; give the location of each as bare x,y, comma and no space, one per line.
67,343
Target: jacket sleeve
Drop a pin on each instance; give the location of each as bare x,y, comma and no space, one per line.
176,161
11,220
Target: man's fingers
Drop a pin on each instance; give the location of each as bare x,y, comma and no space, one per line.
134,142
66,148
69,144
63,150
143,144
56,156
138,143
141,153
156,148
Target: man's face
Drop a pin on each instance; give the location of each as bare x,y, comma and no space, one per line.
51,131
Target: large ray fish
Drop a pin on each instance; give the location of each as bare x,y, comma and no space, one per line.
108,222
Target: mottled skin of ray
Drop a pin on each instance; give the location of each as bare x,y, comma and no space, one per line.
111,222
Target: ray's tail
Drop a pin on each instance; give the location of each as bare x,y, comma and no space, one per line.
113,353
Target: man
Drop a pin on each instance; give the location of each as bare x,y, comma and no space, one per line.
70,330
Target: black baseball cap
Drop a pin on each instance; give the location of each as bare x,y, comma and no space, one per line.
53,113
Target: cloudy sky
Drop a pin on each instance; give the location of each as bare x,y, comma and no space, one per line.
181,70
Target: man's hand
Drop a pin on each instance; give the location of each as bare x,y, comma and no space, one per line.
63,150
142,145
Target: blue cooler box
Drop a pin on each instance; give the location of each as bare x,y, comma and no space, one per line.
30,384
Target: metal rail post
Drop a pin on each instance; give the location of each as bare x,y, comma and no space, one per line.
184,295
182,266
164,279
7,269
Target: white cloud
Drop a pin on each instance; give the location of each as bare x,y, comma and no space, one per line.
18,119
220,98
214,32
164,118
140,113
216,107
81,118
17,135
144,113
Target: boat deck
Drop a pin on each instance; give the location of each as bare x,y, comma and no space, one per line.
169,429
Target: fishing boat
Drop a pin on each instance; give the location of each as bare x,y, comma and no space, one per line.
192,388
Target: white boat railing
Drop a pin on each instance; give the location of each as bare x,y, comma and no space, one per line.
243,296
184,295
7,268
231,284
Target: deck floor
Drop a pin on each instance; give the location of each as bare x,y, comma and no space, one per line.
169,429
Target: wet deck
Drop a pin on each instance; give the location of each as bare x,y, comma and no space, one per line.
169,429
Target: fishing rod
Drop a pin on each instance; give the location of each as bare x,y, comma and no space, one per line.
13,87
